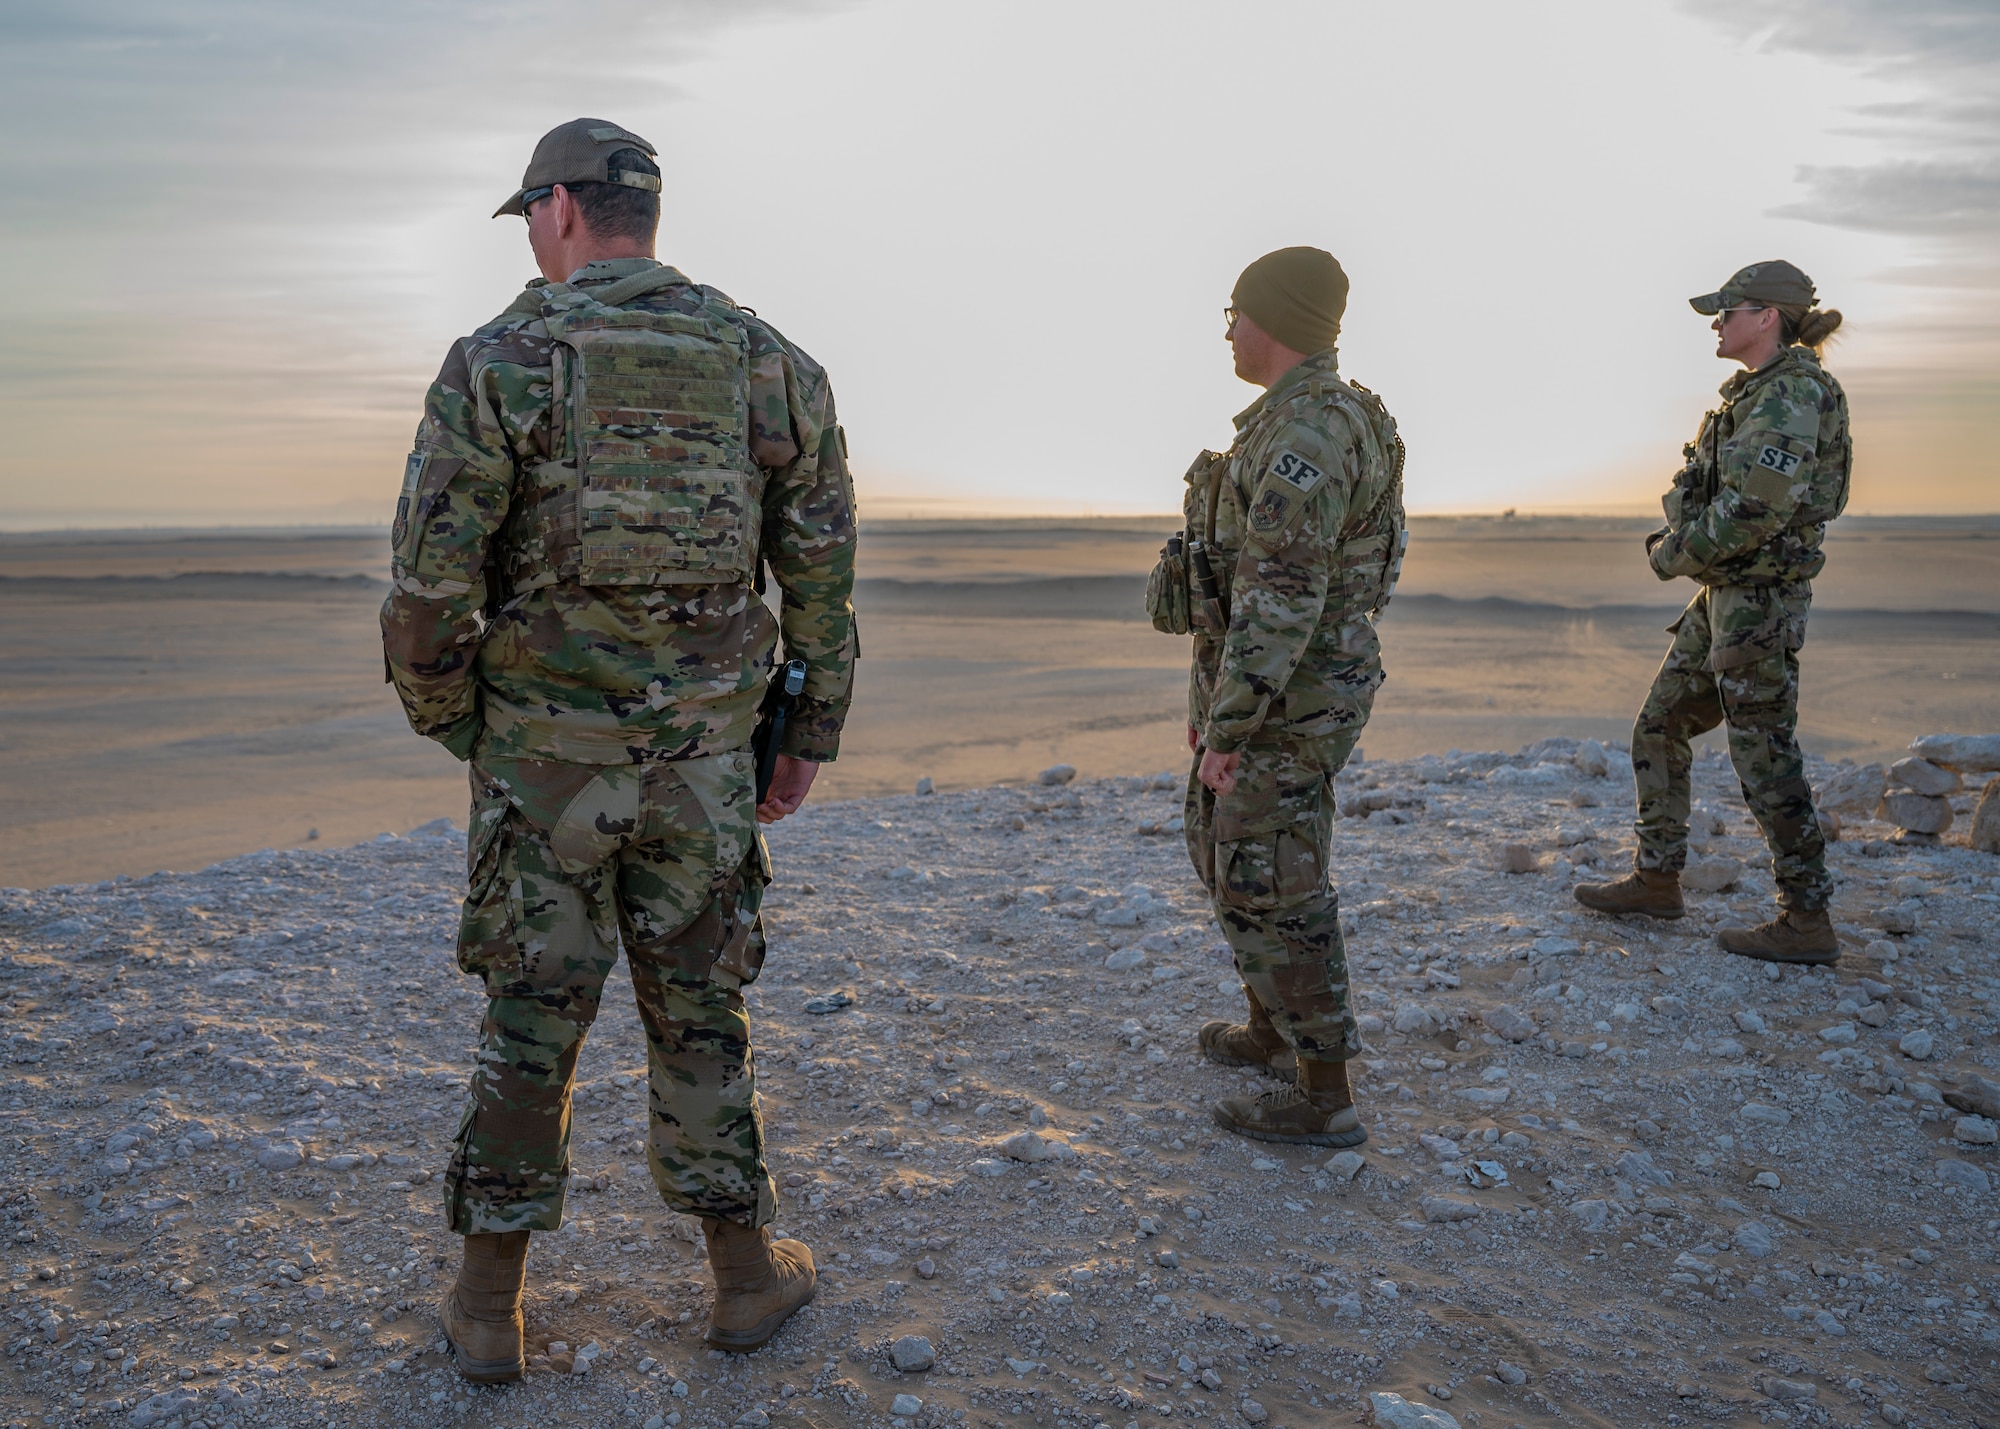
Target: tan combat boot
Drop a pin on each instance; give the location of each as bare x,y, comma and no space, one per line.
1252,1044
1318,1111
1797,935
1652,891
759,1282
482,1314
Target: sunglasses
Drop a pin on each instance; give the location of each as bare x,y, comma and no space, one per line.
533,197
1721,313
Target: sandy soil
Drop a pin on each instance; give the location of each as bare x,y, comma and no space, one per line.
1694,1190
168,700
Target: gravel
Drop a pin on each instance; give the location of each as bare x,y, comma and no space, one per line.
232,1094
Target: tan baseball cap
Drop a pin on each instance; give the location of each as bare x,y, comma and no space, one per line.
1776,282
579,153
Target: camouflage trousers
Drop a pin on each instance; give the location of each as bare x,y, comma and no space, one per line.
1263,854
1760,702
566,863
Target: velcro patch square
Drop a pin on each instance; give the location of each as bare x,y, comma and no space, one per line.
1782,462
1295,470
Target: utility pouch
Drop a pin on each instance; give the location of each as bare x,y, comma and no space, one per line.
1211,611
1167,588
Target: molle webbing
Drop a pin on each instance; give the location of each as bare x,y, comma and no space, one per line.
657,485
1371,545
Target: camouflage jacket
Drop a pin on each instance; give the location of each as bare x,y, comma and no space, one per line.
1763,478
487,660
1308,512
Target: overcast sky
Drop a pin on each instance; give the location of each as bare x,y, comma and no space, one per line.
242,233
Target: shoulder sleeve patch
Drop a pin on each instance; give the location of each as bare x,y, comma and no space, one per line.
1295,471
1776,459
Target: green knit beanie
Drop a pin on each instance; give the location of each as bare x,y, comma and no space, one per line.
1297,295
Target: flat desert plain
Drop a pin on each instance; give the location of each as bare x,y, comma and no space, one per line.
174,698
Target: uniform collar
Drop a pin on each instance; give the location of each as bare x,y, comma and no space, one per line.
1785,356
1320,364
610,270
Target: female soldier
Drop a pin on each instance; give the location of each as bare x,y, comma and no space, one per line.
1746,519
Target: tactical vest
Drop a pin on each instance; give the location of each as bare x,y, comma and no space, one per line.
653,482
1795,553
1189,587
1373,544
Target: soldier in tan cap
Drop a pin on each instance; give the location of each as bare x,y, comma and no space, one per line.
1293,540
603,478
1746,520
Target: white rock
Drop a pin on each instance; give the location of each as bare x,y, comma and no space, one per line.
1790,1391
1711,875
1592,760
905,1405
1841,1033
1590,1215
1026,1146
1901,919
1392,1411
1125,959
1516,858
1753,1238
1346,1165
912,1354
1056,774
1509,1023
1510,1373
1482,1096
1920,776
281,1156
925,786
1968,753
1977,1131
1758,1114
1414,1020
1444,1210
1852,790
1747,1021
1917,1045
988,1166
1964,1175
1919,813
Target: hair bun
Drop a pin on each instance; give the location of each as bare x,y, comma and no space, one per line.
1817,326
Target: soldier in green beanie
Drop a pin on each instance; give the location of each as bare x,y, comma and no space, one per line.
1294,537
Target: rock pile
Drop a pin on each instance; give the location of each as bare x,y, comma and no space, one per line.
1919,789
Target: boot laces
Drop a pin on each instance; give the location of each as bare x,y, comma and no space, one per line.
1281,1098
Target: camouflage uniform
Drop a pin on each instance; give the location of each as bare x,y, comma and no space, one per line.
1747,519
1308,525
595,645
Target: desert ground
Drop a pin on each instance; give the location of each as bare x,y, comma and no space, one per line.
174,698
1613,1176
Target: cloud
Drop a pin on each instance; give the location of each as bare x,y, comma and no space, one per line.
1905,196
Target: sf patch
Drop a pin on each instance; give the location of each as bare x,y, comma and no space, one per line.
1776,459
1290,467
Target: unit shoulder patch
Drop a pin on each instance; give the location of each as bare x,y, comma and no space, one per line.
1777,459
1296,471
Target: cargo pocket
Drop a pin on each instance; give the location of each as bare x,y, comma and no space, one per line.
1745,624
489,939
1269,831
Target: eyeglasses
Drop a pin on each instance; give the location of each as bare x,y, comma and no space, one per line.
1721,313
1229,317
533,197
